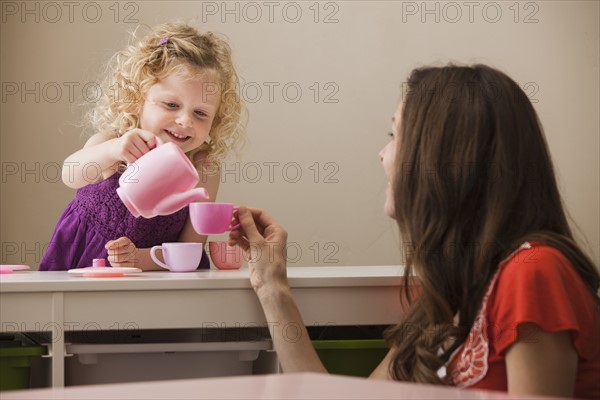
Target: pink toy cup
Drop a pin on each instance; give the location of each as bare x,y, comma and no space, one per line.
98,262
179,257
212,218
225,256
160,182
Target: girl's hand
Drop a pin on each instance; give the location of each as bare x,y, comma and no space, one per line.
121,252
133,144
264,242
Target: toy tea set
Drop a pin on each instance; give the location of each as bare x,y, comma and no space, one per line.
162,182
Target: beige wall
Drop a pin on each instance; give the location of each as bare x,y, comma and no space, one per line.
353,54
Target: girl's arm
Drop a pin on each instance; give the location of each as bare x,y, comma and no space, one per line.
541,363
101,154
264,242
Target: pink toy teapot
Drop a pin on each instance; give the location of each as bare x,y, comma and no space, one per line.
160,182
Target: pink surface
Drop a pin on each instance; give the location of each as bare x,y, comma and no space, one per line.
285,386
103,272
8,269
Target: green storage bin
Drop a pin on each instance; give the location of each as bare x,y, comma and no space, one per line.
351,357
16,352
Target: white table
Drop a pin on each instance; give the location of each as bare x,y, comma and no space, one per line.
59,302
285,386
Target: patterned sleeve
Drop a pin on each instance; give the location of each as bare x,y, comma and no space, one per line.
540,286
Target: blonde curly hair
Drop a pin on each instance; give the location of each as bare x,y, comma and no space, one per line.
171,48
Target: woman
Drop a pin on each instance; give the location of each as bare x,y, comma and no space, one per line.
506,299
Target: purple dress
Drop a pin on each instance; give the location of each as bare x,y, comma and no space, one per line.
97,215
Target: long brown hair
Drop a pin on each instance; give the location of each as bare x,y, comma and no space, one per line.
473,180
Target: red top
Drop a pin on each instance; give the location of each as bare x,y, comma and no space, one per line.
537,284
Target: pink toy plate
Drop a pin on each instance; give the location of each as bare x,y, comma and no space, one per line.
8,269
104,272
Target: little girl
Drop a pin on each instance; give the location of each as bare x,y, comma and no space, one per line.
178,85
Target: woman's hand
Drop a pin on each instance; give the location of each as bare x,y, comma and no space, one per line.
133,144
264,241
122,252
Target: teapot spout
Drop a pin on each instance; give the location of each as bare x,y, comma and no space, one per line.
177,201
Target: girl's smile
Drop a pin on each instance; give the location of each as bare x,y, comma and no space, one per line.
177,137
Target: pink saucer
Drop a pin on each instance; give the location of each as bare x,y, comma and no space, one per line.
8,269
104,272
